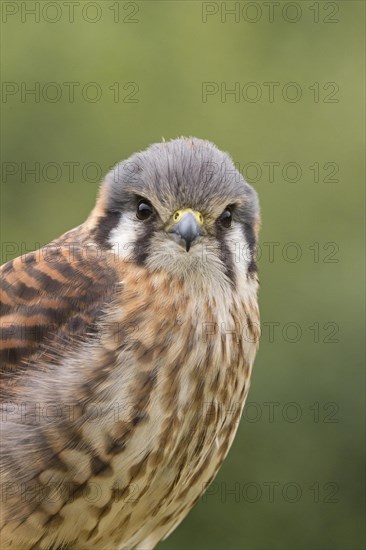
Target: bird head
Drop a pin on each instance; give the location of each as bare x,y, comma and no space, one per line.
181,207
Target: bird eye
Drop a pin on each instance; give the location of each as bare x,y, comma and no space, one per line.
226,217
144,210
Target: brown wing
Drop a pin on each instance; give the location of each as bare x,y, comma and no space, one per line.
50,298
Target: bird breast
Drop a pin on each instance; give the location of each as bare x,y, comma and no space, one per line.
156,399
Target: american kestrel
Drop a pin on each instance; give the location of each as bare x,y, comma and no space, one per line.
127,349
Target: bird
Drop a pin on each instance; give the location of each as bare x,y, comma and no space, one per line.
127,347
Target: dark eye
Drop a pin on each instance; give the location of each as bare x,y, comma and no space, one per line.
144,210
226,217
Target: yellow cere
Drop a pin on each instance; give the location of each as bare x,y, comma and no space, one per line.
178,215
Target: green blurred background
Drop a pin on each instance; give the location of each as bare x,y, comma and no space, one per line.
294,478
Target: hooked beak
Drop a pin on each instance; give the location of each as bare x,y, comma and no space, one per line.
187,226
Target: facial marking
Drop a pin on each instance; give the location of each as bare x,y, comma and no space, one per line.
123,237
